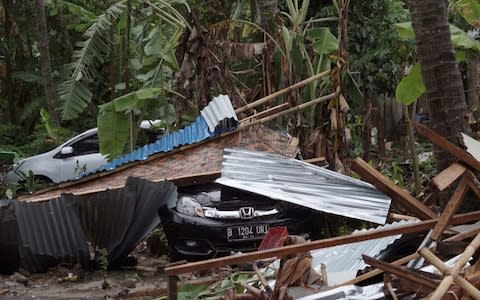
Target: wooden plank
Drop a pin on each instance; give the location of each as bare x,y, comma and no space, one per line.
447,176
443,143
400,271
399,195
376,272
335,241
451,208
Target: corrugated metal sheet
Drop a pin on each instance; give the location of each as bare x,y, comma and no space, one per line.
303,184
105,216
219,109
217,117
345,258
117,220
150,197
57,231
349,292
9,256
50,233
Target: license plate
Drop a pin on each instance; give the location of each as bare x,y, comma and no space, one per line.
246,232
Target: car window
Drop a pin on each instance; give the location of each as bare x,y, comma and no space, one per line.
88,145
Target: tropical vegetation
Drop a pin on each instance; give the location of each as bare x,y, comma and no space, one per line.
112,63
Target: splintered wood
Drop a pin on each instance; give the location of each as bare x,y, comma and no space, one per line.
454,282
461,176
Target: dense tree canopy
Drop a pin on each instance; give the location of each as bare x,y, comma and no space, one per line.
116,62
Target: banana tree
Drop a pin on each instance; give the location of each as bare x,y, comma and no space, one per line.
411,87
133,42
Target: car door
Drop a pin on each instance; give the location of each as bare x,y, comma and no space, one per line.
84,158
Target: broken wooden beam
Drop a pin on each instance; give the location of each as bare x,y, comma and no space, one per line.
450,210
402,272
443,143
376,272
399,195
445,178
335,241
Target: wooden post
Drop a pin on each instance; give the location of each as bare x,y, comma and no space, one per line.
172,287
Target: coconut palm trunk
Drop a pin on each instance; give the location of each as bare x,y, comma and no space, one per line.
443,82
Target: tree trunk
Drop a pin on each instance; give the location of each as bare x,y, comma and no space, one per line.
66,34
45,66
9,87
440,72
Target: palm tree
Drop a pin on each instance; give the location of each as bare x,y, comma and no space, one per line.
440,72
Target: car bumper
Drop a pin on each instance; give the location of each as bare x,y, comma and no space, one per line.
197,238
11,178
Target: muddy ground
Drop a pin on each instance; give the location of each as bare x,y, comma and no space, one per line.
76,283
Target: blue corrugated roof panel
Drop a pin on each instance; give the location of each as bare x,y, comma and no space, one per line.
217,117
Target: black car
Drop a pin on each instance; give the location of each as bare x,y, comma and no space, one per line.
213,220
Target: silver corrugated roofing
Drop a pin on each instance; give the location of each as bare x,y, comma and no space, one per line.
303,184
217,110
348,258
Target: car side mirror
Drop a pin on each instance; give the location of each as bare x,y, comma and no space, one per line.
66,151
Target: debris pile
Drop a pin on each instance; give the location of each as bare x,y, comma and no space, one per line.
441,259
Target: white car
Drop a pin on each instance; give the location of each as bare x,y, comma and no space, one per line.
75,157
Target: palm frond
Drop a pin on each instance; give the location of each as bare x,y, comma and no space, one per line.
74,94
75,97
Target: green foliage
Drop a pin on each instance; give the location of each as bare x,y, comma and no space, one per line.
114,124
376,52
411,87
469,10
28,182
74,93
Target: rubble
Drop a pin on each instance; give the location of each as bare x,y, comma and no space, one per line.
405,276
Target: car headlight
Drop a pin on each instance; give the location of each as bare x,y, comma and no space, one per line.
188,205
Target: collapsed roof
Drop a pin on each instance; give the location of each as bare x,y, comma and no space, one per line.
304,184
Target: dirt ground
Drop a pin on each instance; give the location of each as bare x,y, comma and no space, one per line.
76,283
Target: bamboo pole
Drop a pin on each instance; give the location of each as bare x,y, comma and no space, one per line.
443,268
455,270
285,112
282,92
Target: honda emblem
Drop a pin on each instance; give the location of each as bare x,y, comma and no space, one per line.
247,212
